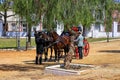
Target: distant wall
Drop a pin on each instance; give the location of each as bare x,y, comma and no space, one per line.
21,34
1,28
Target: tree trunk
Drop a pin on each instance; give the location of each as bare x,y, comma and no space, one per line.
69,55
5,26
67,60
107,36
29,35
84,29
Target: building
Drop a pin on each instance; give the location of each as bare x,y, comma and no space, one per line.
98,30
16,27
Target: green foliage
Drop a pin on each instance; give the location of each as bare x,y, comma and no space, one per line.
6,5
70,12
25,9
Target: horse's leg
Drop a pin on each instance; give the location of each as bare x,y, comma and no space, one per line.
56,56
46,54
51,53
36,60
59,55
40,58
64,51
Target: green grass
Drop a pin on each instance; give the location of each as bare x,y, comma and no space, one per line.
98,39
6,43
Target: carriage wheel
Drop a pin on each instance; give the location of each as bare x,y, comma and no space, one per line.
76,53
86,49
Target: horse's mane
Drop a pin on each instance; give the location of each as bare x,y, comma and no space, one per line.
54,34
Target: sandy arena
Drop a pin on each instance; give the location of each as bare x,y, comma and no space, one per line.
19,65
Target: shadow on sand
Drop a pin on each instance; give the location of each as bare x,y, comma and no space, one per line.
18,67
110,51
27,66
44,63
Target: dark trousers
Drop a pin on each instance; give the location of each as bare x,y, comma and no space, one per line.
80,52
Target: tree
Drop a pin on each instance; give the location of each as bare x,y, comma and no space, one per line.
105,8
26,10
5,6
69,12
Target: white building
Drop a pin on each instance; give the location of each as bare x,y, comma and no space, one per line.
16,26
97,31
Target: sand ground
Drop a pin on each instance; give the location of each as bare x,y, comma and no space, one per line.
19,65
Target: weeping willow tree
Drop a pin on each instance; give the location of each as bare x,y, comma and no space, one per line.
49,14
75,12
69,12
108,21
26,10
105,8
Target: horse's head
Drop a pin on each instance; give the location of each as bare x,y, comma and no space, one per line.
46,36
54,35
36,34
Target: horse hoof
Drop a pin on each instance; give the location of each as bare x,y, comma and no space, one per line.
36,63
50,60
55,60
46,59
40,63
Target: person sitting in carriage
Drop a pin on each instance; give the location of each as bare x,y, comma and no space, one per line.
39,47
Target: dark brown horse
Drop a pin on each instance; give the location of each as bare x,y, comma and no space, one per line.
48,40
60,42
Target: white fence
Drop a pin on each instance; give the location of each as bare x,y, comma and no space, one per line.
15,34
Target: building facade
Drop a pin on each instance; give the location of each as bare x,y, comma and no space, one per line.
17,26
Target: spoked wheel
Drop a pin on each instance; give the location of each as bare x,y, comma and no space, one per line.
86,48
76,53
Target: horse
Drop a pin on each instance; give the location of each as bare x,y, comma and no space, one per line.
60,42
48,41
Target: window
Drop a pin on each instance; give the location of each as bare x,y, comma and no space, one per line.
13,26
24,27
99,15
0,17
97,27
118,28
